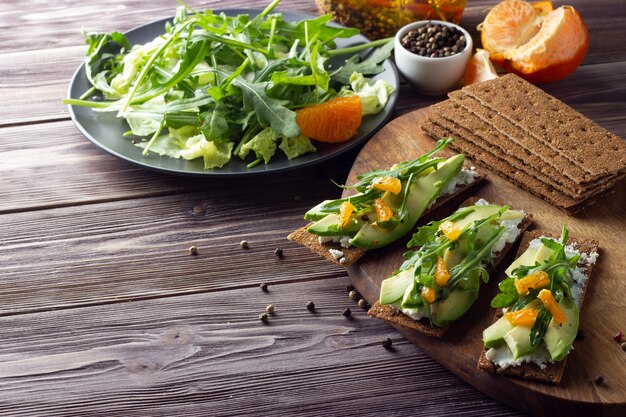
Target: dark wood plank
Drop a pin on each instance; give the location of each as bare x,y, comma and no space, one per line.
52,165
461,345
36,90
209,354
135,249
58,24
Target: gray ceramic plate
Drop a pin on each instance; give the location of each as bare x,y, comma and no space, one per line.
105,130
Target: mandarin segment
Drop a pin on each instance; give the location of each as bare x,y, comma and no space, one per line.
479,68
535,41
334,121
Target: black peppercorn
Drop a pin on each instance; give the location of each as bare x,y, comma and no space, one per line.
310,306
349,288
387,343
263,317
363,304
263,287
346,312
278,252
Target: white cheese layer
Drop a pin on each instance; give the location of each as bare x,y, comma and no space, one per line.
503,357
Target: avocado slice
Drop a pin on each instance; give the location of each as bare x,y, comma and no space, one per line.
458,302
422,192
393,288
331,226
482,212
530,257
526,259
559,337
518,341
493,336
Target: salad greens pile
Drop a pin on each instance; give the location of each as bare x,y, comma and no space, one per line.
559,270
214,86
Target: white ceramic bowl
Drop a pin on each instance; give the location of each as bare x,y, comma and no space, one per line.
432,76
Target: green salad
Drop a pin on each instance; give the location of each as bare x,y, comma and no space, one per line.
217,87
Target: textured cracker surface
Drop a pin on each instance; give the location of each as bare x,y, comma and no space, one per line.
473,147
511,140
594,149
553,373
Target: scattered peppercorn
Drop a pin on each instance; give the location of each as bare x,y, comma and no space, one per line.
387,343
623,345
297,198
263,287
263,317
363,304
353,295
310,306
619,336
349,288
599,380
278,252
346,312
270,309
434,40
244,244
580,335
193,250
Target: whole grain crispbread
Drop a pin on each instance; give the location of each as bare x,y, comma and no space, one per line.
553,372
491,140
594,149
478,151
352,254
392,315
512,140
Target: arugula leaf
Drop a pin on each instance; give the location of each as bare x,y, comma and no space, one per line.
269,111
369,66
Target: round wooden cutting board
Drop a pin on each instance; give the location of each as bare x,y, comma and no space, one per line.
602,316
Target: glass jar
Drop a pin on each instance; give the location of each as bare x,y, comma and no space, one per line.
382,18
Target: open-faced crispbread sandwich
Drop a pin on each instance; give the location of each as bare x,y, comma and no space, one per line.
387,205
538,308
440,280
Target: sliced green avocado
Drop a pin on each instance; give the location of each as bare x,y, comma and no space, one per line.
453,307
330,226
392,289
526,259
530,257
422,192
493,336
518,341
482,212
316,212
559,337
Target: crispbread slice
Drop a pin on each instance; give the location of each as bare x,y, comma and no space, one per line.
471,145
553,373
594,149
352,254
513,141
390,314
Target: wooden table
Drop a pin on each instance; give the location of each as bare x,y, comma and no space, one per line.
104,310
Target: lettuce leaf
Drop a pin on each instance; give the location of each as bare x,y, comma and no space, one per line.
294,147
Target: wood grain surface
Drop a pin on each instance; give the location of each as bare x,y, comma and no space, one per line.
104,312
183,355
601,317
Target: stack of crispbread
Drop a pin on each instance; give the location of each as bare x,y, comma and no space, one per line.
532,139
